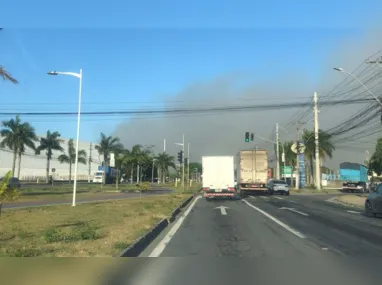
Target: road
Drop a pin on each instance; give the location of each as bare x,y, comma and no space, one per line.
84,199
263,240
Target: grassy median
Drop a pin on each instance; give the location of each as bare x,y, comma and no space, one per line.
92,229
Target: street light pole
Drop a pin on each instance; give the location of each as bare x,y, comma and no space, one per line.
79,76
360,82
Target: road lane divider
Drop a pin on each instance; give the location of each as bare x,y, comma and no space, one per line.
277,221
294,210
165,241
354,212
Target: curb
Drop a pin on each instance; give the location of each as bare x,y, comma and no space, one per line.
143,241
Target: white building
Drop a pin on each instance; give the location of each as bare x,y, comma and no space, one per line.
34,166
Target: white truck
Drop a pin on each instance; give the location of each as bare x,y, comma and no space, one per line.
218,176
252,172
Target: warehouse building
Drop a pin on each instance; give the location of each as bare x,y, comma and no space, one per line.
33,166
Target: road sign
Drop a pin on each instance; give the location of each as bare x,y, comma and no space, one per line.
53,169
294,148
287,170
112,159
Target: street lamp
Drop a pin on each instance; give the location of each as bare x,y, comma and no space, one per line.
79,76
360,82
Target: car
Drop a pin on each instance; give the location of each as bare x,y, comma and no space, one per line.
278,186
14,182
373,203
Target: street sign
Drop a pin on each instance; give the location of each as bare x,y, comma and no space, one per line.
294,148
53,170
287,170
112,160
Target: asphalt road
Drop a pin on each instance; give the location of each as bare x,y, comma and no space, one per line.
263,240
84,199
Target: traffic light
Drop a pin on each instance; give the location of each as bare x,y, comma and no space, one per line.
180,157
252,136
247,137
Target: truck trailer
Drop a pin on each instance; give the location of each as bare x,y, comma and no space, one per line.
354,176
252,171
218,177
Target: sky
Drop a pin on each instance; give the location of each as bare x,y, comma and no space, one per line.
167,54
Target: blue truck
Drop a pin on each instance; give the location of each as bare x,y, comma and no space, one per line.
110,175
354,177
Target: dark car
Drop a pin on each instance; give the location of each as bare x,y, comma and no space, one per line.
14,182
373,203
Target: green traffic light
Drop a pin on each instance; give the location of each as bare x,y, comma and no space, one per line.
246,140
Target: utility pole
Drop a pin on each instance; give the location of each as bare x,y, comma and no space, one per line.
164,145
188,164
317,143
90,162
183,164
277,152
298,161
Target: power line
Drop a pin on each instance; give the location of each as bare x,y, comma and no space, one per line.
191,110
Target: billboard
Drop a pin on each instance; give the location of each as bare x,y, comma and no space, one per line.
301,166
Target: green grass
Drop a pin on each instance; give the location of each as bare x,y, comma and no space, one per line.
91,229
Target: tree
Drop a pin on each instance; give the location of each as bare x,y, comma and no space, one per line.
70,157
375,162
51,142
17,136
140,156
326,146
163,161
5,74
106,146
27,138
6,191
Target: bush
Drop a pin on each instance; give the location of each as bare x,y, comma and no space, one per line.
86,232
145,186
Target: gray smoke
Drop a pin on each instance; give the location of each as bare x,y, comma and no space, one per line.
223,133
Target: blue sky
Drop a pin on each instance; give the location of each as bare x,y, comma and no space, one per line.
134,55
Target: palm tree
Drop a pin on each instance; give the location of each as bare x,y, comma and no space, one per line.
140,156
326,146
163,161
51,142
70,157
27,138
7,76
106,146
16,136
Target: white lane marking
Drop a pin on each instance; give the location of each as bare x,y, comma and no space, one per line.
263,197
163,243
354,212
254,198
294,210
279,198
280,223
222,210
292,201
325,248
